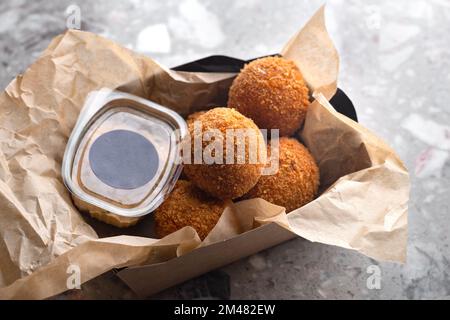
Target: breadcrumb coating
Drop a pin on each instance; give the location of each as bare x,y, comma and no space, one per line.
188,206
194,116
190,120
273,93
227,181
297,181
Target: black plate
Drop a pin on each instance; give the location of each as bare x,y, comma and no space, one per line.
341,102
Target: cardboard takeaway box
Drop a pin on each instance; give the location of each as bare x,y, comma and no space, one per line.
43,235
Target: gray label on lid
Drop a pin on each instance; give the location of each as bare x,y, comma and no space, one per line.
123,159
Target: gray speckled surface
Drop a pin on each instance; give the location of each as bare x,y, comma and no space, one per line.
395,57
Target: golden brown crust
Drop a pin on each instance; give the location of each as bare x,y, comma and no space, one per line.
188,206
226,181
297,181
103,215
272,92
194,116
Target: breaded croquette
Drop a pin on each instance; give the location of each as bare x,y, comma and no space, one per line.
227,180
188,206
273,93
297,181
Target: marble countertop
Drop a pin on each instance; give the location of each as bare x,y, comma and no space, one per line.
394,57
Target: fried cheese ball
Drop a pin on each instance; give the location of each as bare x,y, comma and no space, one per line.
228,179
272,92
297,181
188,206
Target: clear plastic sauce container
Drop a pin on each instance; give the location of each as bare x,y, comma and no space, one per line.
122,158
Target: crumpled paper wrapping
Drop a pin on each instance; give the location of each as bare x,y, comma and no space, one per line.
363,205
